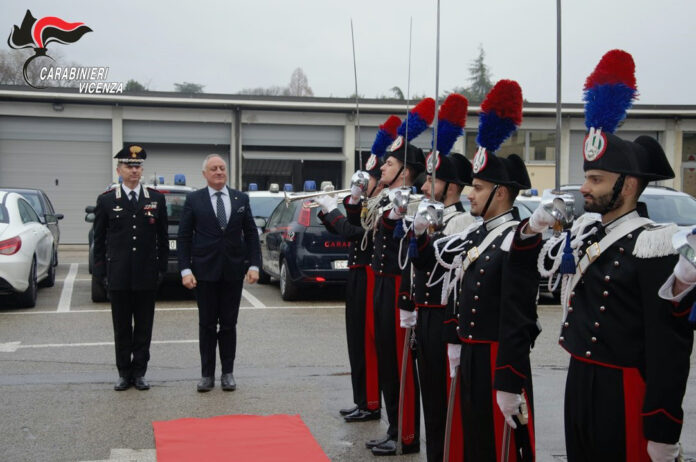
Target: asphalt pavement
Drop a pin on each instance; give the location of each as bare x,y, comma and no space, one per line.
57,372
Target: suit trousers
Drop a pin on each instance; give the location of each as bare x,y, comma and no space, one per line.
132,312
218,305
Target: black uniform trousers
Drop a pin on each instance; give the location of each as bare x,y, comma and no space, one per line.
132,312
482,420
218,303
433,371
603,408
389,338
360,335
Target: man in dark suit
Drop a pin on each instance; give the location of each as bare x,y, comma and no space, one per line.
130,250
217,244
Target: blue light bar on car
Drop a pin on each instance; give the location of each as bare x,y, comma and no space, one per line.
253,187
287,187
310,185
180,179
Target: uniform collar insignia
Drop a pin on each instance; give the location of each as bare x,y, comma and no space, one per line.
499,220
613,224
118,208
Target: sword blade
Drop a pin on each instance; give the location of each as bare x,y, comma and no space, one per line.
506,443
402,387
450,414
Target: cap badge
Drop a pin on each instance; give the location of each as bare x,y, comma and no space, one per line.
396,144
371,162
432,163
595,144
480,159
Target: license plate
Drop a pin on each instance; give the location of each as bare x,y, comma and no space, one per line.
340,264
172,244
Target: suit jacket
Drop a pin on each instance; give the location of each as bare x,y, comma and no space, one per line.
130,244
215,254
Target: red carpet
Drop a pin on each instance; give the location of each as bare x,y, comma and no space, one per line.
234,438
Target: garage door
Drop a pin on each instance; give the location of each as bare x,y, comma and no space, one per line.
576,175
167,160
70,159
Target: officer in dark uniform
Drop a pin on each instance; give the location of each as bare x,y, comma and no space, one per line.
421,290
629,349
360,325
130,252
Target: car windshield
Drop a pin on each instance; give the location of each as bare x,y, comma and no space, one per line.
175,204
671,209
263,206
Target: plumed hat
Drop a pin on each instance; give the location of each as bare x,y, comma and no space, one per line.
452,168
418,120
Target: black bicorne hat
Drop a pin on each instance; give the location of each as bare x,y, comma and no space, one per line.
409,155
506,171
454,168
131,155
375,171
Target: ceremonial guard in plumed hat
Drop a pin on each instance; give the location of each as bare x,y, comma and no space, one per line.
403,162
421,282
360,325
131,246
629,349
494,293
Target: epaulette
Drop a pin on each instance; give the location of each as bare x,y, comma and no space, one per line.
507,241
655,240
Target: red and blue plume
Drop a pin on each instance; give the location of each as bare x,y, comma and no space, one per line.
501,114
385,135
419,119
610,90
450,122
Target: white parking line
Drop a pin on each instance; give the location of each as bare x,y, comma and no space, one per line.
186,308
11,347
66,293
256,303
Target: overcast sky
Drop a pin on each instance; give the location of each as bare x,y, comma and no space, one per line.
231,45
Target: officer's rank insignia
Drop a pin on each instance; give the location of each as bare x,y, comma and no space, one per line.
595,144
134,151
480,159
118,209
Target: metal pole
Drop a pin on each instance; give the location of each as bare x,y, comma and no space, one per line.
434,154
408,97
558,95
357,101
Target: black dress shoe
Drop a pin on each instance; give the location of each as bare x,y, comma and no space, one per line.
122,383
348,410
372,443
227,382
387,448
205,384
362,415
140,383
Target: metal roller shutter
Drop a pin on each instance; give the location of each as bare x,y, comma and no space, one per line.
70,159
167,160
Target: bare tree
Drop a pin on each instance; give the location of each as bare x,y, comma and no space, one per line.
299,85
188,87
12,65
270,91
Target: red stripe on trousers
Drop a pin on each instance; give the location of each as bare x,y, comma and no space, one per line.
634,394
371,378
498,418
408,432
456,453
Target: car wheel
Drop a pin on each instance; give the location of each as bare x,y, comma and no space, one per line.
264,277
27,299
288,290
98,290
51,276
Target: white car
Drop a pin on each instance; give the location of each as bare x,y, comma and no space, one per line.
26,250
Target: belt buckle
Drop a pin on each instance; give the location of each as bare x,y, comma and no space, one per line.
472,255
593,252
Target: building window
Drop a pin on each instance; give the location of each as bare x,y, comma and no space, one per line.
689,147
531,145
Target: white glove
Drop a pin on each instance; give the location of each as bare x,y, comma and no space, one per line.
685,271
454,352
540,220
355,194
509,404
663,452
420,224
394,214
408,318
327,203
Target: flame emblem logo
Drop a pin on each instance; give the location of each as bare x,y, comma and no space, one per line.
37,34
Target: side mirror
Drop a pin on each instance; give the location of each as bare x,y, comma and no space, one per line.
59,216
89,218
260,222
51,219
90,209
